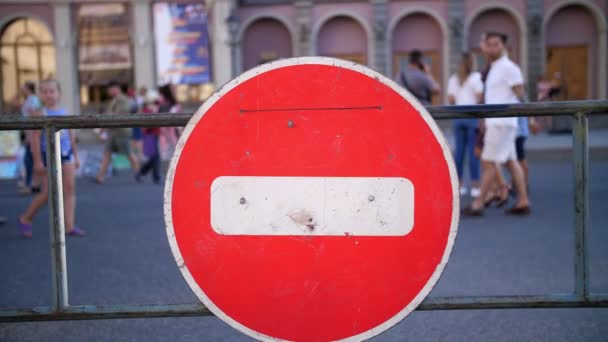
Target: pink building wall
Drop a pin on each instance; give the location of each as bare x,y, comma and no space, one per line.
582,30
43,12
440,7
496,20
362,9
602,4
286,12
407,37
265,36
342,35
471,6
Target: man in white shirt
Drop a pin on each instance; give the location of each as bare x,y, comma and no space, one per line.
504,84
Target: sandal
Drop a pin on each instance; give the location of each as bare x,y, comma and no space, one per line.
520,211
489,202
97,181
76,231
25,229
504,199
471,212
500,202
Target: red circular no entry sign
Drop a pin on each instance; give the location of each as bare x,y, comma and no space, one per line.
311,199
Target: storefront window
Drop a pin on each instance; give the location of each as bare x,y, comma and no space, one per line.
104,51
27,54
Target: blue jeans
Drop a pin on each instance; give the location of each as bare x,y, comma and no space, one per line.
28,161
464,133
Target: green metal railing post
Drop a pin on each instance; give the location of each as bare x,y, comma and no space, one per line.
580,150
56,219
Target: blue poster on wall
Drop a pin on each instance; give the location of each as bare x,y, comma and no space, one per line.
182,43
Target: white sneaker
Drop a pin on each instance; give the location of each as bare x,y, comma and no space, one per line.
475,192
463,191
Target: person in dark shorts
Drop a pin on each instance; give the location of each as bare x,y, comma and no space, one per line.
524,127
118,138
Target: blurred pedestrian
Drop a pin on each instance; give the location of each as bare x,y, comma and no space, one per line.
504,84
417,79
466,88
168,104
50,92
150,141
136,132
31,104
118,138
543,87
524,127
141,97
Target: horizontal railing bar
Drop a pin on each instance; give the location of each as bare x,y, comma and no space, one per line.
562,108
512,302
90,312
15,122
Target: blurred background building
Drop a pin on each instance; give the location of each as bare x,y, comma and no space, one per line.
199,45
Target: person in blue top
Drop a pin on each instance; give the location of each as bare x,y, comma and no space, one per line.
524,126
50,94
30,105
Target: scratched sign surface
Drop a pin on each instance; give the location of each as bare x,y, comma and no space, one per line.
311,199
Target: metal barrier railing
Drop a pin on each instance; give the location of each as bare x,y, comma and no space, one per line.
62,310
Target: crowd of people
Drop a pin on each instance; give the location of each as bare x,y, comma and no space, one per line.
487,144
141,146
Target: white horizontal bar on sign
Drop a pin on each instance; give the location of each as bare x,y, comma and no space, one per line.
314,206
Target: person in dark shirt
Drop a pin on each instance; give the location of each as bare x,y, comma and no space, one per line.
417,79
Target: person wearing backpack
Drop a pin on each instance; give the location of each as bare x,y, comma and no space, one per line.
417,79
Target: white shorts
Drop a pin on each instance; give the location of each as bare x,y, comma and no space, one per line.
499,144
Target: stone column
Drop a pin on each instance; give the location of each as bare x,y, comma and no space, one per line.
65,55
303,26
536,60
222,55
457,44
143,45
379,26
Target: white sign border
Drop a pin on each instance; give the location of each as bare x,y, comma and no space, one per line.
225,89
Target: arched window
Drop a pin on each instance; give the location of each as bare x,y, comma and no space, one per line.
27,54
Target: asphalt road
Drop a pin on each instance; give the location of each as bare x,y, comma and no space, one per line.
126,259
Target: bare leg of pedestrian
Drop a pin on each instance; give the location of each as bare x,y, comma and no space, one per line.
133,162
524,167
103,168
69,200
522,206
488,178
498,192
39,201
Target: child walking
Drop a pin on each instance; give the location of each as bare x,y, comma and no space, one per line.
50,94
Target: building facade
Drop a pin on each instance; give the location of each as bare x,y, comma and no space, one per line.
564,39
